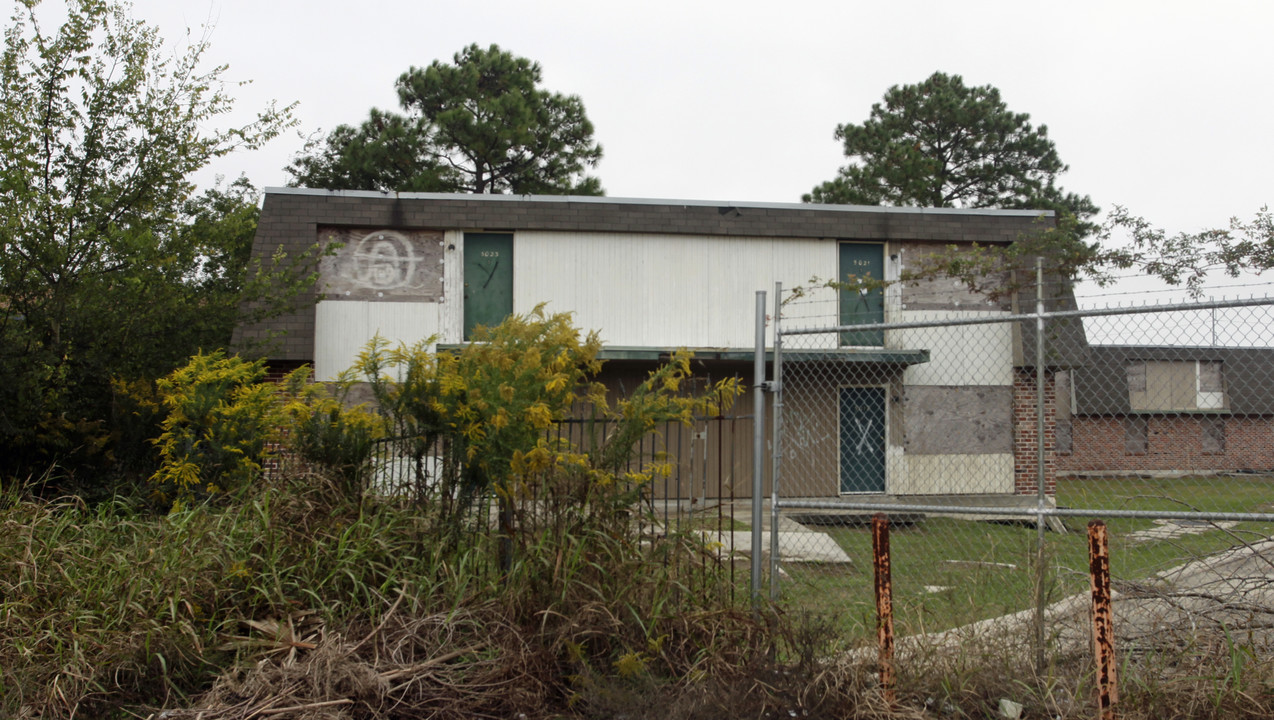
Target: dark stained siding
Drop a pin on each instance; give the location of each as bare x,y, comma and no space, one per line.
940,293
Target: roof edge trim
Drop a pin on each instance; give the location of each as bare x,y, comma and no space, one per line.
604,200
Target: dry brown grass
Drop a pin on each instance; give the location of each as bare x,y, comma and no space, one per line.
473,665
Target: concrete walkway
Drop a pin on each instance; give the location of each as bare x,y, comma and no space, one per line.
797,546
797,543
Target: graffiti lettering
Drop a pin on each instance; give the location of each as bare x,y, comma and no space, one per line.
383,260
800,438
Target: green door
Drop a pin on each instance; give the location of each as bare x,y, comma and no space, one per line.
488,280
862,440
862,260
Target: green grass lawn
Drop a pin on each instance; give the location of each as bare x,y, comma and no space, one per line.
948,572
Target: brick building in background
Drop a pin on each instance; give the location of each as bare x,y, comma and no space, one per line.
1154,409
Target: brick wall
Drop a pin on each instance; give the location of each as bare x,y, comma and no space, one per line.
276,457
1174,443
1026,433
276,370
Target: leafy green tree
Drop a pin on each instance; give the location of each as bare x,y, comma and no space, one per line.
108,267
942,144
1187,258
480,125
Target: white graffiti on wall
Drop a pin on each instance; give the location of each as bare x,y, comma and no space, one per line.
800,437
383,260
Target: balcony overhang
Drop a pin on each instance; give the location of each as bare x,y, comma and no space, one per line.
840,356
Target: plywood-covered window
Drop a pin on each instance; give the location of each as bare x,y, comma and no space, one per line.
1176,386
1212,433
1136,434
1065,401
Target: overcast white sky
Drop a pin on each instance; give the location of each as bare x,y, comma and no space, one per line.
1163,107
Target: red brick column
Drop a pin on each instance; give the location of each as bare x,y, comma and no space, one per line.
1026,429
276,458
276,370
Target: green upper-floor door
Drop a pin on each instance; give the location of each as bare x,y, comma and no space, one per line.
488,280
862,260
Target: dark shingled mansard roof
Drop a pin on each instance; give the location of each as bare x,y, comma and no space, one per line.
1065,342
290,218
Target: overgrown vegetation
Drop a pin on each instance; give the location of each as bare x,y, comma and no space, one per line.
111,269
1192,643
561,605
515,575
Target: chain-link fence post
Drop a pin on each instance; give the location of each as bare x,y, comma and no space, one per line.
1040,494
758,444
776,448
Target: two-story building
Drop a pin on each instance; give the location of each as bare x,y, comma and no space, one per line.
904,412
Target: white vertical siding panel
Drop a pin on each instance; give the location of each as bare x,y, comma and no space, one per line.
956,475
658,290
959,355
451,310
343,328
337,325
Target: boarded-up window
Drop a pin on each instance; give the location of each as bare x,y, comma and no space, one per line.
1136,377
1136,434
1175,386
382,265
1062,387
1213,434
1211,388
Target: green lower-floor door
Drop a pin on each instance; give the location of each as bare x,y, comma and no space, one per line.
862,440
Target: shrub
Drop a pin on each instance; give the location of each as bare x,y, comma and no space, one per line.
105,608
487,409
220,420
325,432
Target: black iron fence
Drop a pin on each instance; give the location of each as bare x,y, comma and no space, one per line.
684,482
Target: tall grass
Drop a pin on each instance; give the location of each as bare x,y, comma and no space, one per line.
110,605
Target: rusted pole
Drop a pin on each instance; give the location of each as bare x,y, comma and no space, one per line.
884,604
1103,620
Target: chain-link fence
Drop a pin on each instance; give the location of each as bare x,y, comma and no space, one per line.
990,434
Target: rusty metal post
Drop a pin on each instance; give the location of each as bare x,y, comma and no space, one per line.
884,604
1103,619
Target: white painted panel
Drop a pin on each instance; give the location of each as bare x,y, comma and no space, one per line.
955,475
958,355
895,464
1210,400
343,328
451,310
661,290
